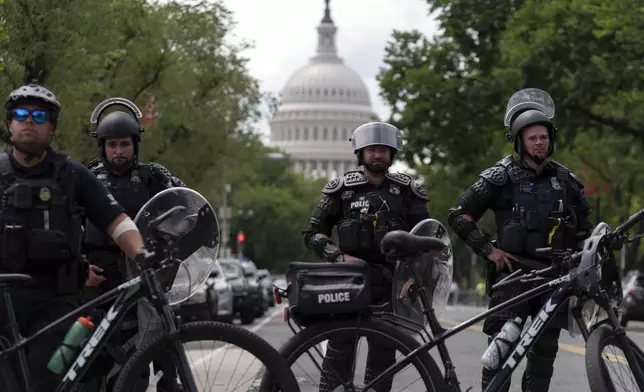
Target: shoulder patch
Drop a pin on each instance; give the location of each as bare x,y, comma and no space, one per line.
354,178
400,178
419,190
333,186
495,175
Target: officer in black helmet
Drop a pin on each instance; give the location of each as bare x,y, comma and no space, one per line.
537,203
132,183
364,206
45,197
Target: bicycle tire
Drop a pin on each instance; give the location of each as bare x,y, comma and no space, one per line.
405,343
274,363
601,336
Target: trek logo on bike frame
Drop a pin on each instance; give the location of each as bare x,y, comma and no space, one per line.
91,345
537,323
97,336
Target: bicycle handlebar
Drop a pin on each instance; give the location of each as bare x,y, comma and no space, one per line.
630,222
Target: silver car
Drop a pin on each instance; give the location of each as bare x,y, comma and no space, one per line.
224,292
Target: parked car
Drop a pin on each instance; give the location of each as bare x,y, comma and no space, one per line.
224,292
246,297
266,280
250,271
633,303
201,306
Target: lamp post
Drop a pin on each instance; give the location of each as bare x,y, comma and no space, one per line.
224,213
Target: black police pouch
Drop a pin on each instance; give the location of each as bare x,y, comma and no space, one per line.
349,235
48,245
14,248
319,291
365,237
514,236
22,196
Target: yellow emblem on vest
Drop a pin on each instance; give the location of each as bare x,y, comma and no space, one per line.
45,194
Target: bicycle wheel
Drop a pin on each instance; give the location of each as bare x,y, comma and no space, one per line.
599,374
404,343
159,348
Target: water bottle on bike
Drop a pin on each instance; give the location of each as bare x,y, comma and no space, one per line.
501,344
66,352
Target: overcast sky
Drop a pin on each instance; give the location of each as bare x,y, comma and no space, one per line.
284,36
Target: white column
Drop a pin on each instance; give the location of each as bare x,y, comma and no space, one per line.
333,169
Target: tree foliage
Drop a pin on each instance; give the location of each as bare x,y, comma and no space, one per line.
179,54
448,92
175,51
273,205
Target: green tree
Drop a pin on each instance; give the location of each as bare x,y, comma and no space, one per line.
281,202
448,92
175,51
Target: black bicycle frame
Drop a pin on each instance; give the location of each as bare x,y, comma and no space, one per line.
127,295
538,324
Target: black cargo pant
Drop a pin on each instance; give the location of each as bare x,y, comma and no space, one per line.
35,308
541,357
337,366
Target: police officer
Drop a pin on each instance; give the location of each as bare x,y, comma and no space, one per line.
364,206
132,183
537,203
45,197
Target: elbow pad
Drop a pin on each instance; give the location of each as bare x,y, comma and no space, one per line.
469,232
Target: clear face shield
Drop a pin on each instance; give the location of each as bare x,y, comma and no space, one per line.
529,98
194,231
373,134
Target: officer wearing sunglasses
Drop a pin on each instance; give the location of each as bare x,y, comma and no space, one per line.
45,199
132,183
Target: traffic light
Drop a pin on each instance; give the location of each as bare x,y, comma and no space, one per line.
240,237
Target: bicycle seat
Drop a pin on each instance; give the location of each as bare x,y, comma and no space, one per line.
403,242
14,278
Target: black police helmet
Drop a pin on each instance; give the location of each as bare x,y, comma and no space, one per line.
525,119
117,125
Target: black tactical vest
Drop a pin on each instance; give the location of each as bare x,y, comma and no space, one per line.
538,211
371,211
40,223
130,191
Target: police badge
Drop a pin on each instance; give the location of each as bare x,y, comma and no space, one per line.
394,189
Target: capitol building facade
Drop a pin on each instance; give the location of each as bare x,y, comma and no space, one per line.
321,104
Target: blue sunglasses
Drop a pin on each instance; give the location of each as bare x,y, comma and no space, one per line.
38,115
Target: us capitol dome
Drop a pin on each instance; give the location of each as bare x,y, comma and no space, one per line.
321,104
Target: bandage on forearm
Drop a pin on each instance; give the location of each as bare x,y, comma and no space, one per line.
126,225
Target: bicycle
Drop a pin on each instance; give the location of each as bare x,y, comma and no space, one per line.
591,275
170,248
